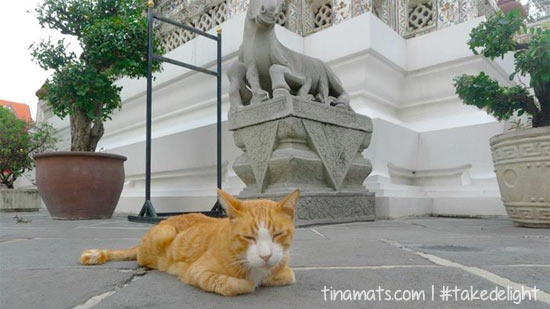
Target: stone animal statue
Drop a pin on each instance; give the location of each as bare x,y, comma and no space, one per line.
266,69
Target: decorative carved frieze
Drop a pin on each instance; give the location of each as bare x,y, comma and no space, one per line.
421,16
323,16
407,17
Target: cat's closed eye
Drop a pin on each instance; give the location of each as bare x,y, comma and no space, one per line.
251,238
277,235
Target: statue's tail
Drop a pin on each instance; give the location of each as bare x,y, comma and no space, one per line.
101,256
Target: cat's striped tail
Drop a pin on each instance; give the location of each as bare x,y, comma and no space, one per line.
101,256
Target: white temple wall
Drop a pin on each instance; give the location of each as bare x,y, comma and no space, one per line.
429,151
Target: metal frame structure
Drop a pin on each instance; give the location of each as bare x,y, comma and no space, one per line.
148,213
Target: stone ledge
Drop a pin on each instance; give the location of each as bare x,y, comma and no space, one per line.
323,208
19,200
281,107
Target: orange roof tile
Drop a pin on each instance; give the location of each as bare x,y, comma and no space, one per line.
21,110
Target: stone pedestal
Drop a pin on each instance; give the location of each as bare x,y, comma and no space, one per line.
289,142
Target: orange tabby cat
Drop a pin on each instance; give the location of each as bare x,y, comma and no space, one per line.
228,256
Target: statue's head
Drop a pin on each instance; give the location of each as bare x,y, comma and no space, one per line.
265,12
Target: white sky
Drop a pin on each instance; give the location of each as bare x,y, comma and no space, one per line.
19,76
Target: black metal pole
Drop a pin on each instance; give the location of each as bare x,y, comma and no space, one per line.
219,110
149,104
186,27
147,207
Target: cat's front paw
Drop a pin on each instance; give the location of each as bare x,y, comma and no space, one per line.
236,286
283,277
93,257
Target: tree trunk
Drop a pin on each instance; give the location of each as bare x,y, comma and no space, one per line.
542,119
85,133
7,180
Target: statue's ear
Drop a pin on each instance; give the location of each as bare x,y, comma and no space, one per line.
232,206
251,7
289,203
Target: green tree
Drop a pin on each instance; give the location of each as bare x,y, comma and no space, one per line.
494,38
20,140
113,39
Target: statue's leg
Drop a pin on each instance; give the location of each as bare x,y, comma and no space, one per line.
304,90
336,85
282,78
253,78
343,101
239,94
323,91
278,82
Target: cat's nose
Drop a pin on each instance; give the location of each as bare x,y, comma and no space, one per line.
265,257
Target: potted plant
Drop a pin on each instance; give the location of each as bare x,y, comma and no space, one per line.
521,157
19,140
83,184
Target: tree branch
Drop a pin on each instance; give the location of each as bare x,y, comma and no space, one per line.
527,102
522,46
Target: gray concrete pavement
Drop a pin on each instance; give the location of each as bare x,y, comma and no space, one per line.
39,266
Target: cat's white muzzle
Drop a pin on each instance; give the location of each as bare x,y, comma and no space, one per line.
264,253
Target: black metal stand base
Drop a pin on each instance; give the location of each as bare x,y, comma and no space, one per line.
148,214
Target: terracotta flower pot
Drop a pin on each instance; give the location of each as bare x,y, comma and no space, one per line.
522,165
80,185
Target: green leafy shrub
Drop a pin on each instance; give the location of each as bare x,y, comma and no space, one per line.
494,38
113,39
20,140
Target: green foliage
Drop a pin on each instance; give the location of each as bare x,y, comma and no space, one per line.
484,92
494,38
20,140
113,39
84,88
535,59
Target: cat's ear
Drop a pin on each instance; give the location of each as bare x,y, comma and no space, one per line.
232,205
288,204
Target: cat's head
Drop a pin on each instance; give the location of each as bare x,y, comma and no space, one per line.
261,230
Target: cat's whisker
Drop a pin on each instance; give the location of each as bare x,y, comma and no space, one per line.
241,265
238,262
238,259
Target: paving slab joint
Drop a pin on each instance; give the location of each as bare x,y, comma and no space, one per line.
96,299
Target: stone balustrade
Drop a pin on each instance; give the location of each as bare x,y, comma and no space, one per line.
407,17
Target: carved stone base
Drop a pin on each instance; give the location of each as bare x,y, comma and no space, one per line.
290,143
319,208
